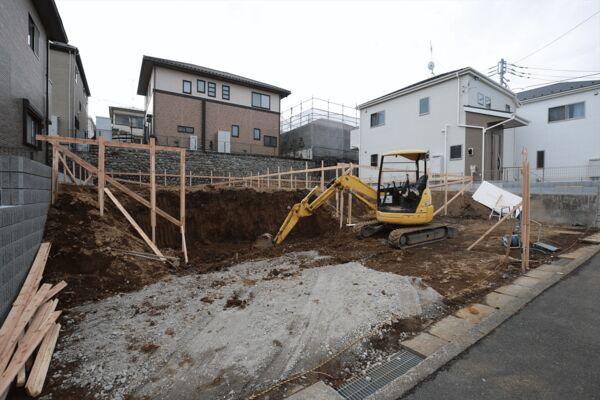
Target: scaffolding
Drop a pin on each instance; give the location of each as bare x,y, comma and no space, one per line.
315,108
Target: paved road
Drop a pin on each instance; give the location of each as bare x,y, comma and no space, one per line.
550,350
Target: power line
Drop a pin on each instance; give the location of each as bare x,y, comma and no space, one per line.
559,37
563,80
553,69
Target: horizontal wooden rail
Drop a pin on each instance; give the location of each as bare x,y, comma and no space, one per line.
108,143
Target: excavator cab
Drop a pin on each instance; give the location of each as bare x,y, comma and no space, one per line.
402,194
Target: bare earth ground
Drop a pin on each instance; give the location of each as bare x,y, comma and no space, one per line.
224,327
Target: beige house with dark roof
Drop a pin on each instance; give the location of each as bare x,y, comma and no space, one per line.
201,108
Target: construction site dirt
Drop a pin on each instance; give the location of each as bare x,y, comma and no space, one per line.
228,274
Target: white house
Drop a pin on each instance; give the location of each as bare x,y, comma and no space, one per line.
446,114
563,137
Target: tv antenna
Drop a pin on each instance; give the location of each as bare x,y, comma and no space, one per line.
431,64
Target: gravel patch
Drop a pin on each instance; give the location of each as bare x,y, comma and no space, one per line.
226,334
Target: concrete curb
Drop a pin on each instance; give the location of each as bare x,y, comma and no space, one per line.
514,297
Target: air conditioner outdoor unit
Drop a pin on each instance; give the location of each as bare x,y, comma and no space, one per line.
193,142
594,168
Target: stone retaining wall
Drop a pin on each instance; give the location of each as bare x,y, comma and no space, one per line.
197,162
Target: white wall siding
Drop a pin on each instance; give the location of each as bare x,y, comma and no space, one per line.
566,143
172,81
499,99
405,129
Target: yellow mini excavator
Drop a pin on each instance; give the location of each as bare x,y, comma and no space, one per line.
402,208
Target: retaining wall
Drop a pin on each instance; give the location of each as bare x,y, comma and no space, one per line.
197,162
24,198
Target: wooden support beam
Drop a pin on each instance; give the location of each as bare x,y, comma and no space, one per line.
278,177
153,188
135,225
118,185
182,204
494,227
322,176
67,169
32,339
37,376
445,206
54,174
101,174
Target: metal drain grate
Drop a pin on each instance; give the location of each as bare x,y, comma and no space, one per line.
361,387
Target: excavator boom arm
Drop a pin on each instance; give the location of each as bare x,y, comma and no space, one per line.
362,191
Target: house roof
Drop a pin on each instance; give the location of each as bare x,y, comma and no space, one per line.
556,88
50,17
74,50
434,80
148,62
125,110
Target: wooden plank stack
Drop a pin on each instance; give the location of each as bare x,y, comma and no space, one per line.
30,325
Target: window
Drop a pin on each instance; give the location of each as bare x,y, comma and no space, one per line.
32,125
270,141
32,128
539,162
187,87
212,89
121,119
374,159
137,122
261,100
507,107
424,106
185,129
201,86
456,152
225,92
569,111
235,130
33,37
480,99
377,119
488,102
256,134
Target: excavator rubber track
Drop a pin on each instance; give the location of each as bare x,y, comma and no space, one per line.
419,235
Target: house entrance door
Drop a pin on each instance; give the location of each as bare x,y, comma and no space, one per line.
493,163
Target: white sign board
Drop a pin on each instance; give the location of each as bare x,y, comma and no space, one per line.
495,198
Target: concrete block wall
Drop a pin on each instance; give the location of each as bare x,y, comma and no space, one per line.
197,162
24,198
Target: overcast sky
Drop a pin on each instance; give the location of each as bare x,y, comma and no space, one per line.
345,51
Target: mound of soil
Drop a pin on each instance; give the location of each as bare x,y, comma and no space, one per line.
462,207
86,248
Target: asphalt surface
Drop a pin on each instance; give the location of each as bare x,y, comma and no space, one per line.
549,350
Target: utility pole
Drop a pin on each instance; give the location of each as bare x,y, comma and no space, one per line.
499,69
502,71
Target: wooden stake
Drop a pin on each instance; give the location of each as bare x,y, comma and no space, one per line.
446,193
278,177
322,176
182,203
101,174
229,181
525,216
153,188
135,225
341,209
268,179
306,175
337,196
